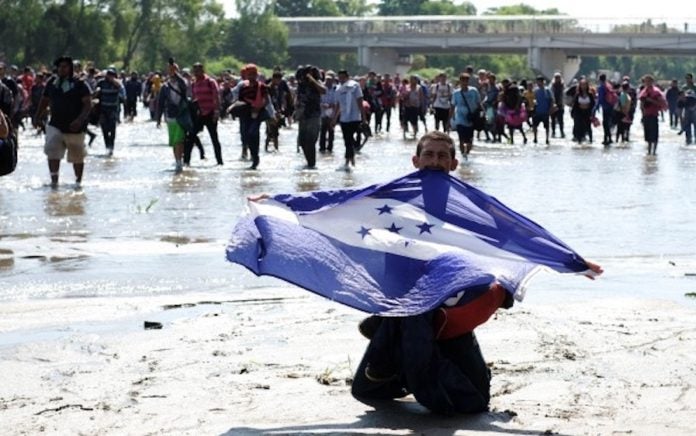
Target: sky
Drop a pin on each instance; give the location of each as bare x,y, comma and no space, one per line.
576,8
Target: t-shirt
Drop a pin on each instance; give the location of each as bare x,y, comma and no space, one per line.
544,101
443,95
347,95
66,101
465,101
309,100
206,93
109,94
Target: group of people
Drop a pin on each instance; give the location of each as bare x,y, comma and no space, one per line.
319,100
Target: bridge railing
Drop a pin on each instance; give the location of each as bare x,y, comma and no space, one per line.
500,24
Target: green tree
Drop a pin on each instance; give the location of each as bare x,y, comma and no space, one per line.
447,7
354,8
520,9
257,35
400,7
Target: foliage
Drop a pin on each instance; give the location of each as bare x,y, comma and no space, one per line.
257,36
447,7
520,9
400,7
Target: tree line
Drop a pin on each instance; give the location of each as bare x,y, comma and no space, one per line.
143,34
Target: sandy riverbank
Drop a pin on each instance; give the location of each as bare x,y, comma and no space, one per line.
279,361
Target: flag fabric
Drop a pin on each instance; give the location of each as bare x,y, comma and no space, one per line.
397,249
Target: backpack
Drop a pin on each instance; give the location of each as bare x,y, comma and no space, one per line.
610,95
8,150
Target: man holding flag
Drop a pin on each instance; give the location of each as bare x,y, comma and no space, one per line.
431,256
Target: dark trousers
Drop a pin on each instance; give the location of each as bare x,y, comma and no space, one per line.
350,137
249,128
107,121
210,123
442,116
445,376
557,119
307,134
388,112
326,136
131,107
607,122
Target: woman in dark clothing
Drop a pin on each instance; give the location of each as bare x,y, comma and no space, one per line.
583,102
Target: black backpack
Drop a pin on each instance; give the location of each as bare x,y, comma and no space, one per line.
8,150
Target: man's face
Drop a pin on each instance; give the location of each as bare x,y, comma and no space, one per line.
443,79
689,78
435,155
198,72
64,70
464,81
342,78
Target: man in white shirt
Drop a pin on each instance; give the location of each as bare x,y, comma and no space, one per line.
441,93
350,114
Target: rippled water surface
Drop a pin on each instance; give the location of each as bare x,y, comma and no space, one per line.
136,228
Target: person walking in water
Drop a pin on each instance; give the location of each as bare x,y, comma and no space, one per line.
109,91
652,102
172,97
206,93
70,100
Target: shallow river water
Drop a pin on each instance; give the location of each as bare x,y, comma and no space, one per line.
136,228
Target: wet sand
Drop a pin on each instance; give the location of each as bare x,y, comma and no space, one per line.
281,362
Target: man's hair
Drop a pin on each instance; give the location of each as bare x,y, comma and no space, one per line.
436,135
689,75
344,72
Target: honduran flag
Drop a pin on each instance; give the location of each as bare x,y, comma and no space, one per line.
397,249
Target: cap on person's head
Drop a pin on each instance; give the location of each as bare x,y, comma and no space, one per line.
540,78
111,71
556,74
343,72
251,69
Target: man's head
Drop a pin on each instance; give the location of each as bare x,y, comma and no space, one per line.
689,77
343,76
198,70
111,74
64,67
540,81
649,80
442,78
464,79
251,72
435,151
557,77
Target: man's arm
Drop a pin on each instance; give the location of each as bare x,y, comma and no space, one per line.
41,110
78,122
317,84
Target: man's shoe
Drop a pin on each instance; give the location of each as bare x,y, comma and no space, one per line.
379,375
368,327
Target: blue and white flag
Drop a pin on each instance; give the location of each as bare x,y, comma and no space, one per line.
400,248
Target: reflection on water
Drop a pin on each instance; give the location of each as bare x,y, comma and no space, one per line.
650,166
136,227
65,203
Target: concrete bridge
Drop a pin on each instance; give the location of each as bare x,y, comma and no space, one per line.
551,43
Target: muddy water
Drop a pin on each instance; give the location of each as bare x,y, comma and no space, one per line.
136,228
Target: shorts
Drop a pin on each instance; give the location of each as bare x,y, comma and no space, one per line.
540,119
177,134
466,134
57,143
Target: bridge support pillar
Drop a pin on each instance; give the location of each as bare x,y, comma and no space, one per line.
546,61
383,60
